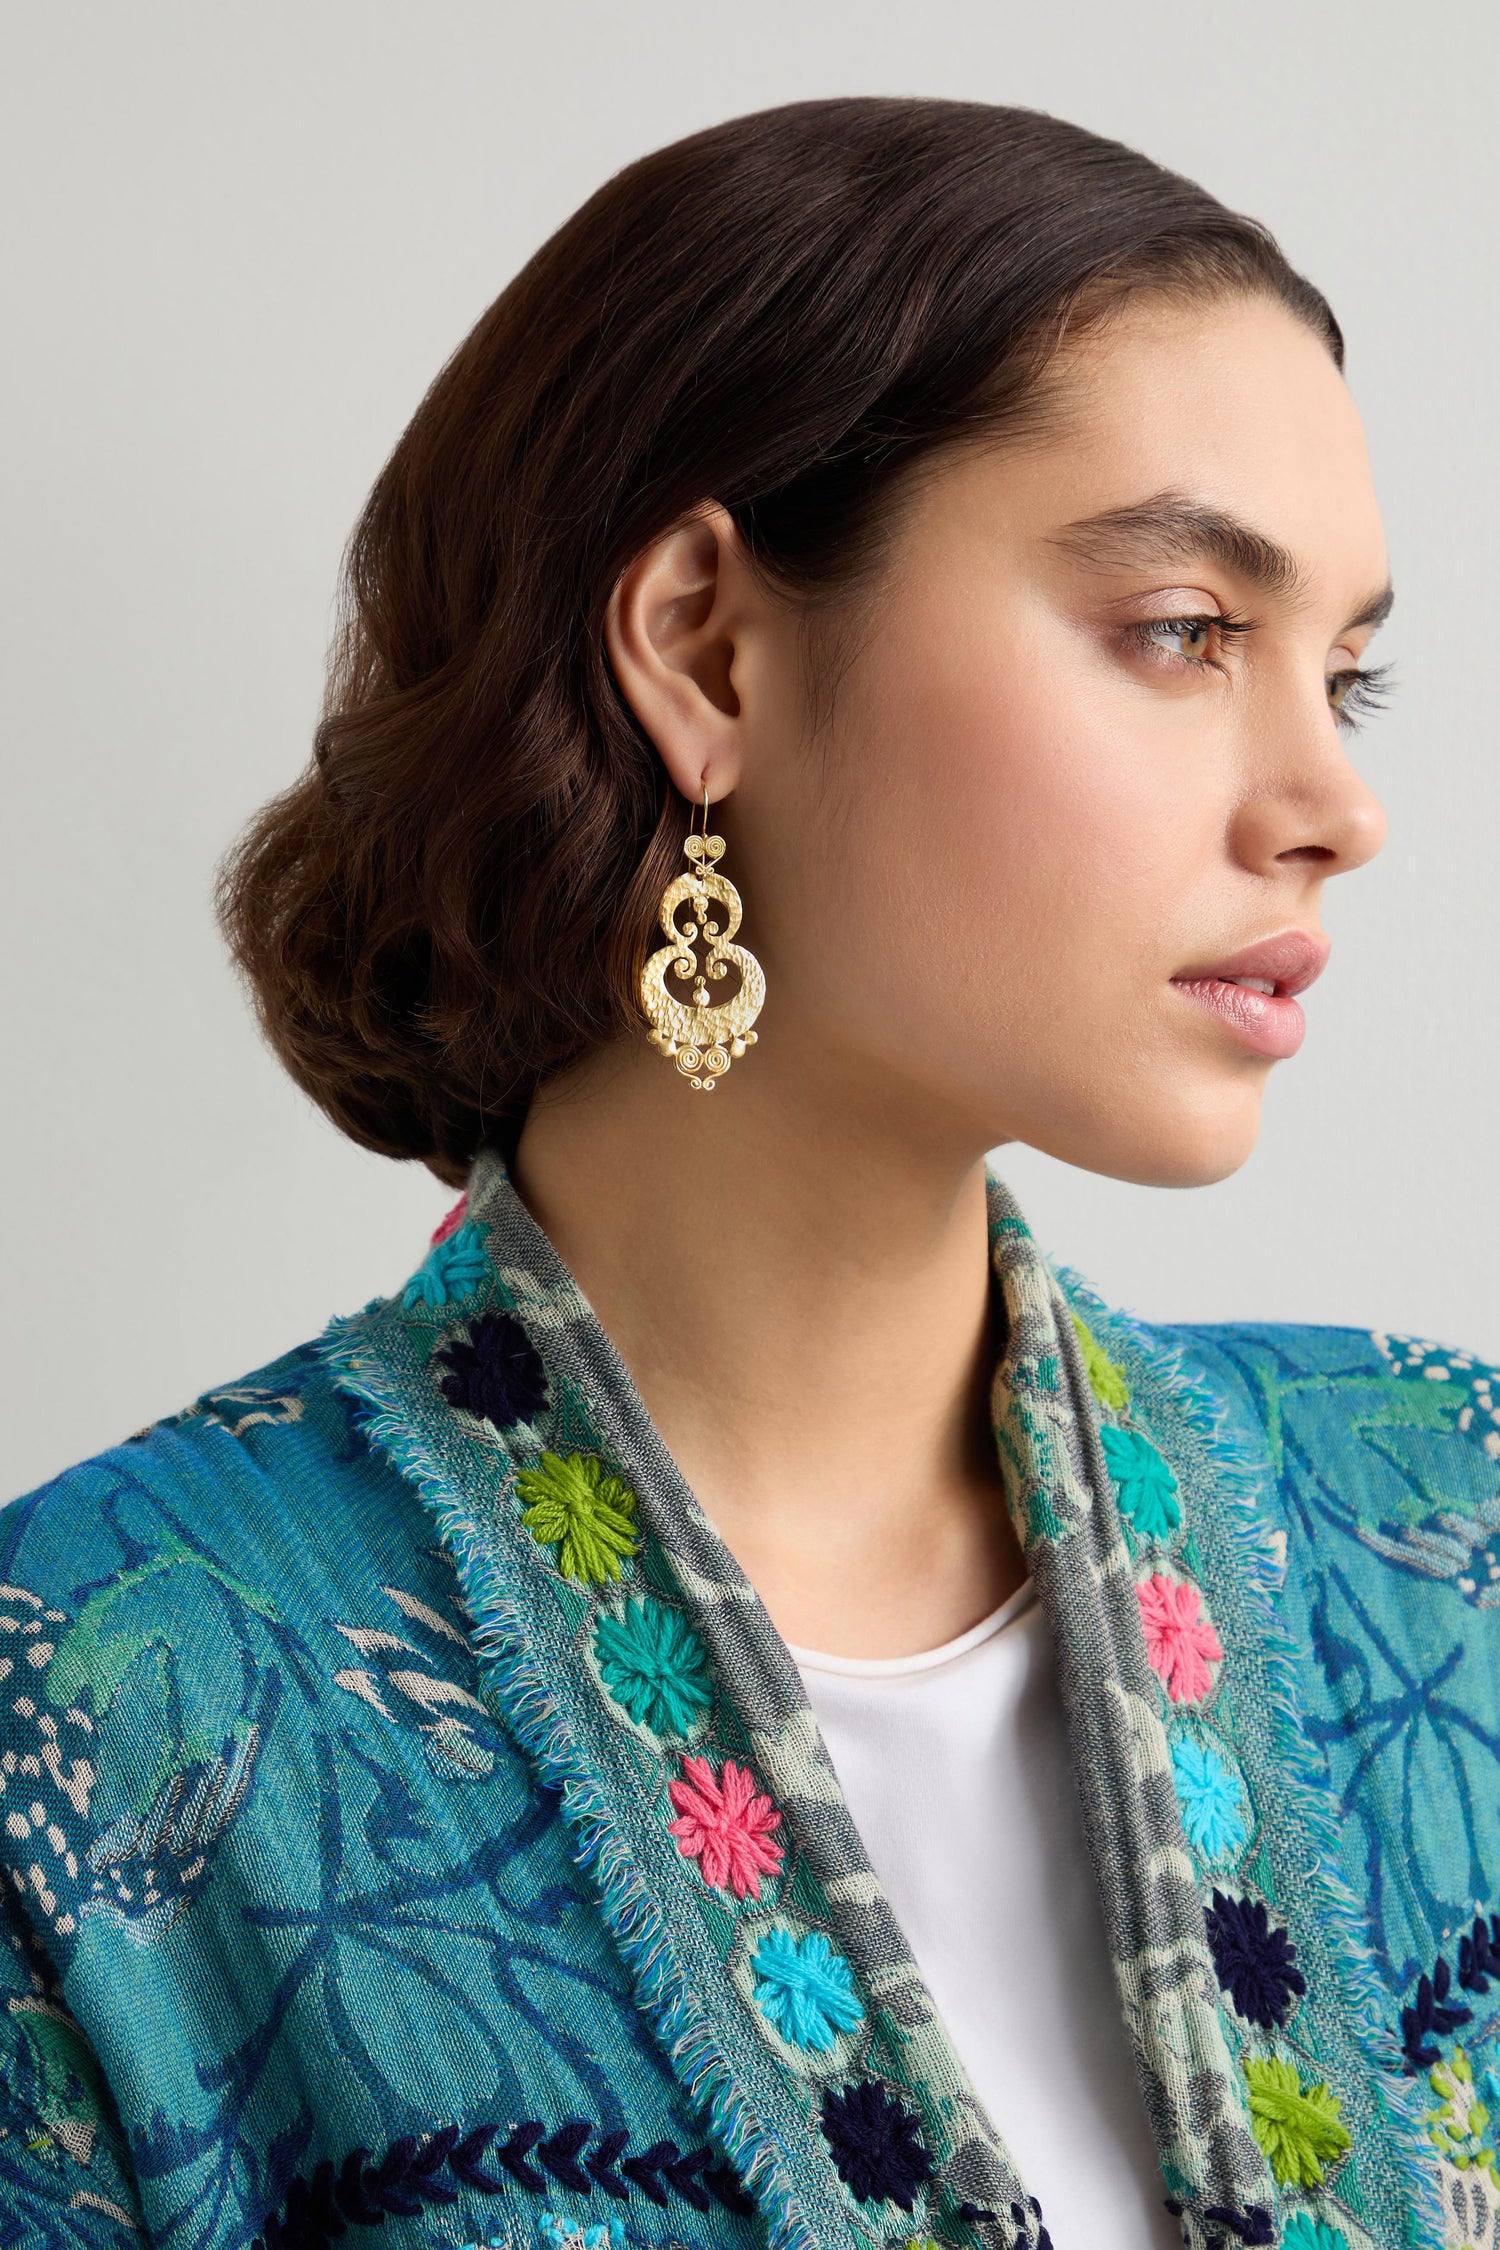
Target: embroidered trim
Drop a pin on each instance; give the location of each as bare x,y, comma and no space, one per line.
1395,2152
1211,1794
609,2234
1252,2225
359,2192
1106,1381
1459,2126
1304,2232
703,2064
1023,2217
455,1266
1432,2015
452,1219
1145,1484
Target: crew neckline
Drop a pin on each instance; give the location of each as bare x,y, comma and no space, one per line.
925,1660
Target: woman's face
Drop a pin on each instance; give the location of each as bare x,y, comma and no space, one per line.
1087,766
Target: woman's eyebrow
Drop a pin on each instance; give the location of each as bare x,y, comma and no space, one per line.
1171,527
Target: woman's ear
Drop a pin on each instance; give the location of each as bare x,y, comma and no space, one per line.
675,626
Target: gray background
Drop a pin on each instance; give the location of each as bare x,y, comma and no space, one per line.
242,238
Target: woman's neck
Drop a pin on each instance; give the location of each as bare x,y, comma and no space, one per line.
801,1292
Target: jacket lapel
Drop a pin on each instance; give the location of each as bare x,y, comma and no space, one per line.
1241,1958
624,1646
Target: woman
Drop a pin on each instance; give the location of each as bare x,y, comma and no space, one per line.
740,1706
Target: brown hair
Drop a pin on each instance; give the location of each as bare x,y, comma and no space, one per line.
782,313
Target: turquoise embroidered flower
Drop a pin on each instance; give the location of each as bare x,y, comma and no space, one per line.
1211,1797
654,1665
1144,1484
557,2234
805,1988
452,1268
1304,2232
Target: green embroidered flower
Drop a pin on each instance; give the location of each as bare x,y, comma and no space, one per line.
654,1666
1297,2126
1304,2232
1458,2127
576,1505
1144,1485
1106,1381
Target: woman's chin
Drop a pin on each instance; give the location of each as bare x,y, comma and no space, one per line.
1174,1146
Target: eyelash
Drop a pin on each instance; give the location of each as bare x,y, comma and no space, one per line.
1365,688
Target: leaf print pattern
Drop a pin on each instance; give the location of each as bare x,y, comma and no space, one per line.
409,1686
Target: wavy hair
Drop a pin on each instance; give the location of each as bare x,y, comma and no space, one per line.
783,314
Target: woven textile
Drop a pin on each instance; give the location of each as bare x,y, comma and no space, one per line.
414,1823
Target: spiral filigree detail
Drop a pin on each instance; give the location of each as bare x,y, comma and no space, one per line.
699,1034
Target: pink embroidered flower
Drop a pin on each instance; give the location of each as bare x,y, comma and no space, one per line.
725,1826
1180,1644
451,1223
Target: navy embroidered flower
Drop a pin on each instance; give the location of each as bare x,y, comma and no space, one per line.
1254,1959
496,1374
876,2147
654,1665
805,1988
454,1267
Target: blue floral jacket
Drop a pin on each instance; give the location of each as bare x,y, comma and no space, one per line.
413,1830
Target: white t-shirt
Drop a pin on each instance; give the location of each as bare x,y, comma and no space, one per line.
956,1768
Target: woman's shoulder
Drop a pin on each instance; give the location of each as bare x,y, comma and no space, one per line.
261,1511
274,1454
1392,1439
1371,1457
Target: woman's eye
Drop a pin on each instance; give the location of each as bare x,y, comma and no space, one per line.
1352,694
1190,638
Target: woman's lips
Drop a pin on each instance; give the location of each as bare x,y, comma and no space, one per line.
1253,991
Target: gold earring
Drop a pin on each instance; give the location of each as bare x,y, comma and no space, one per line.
699,1034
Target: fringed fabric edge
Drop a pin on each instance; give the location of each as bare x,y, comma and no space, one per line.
661,1986
1335,1906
